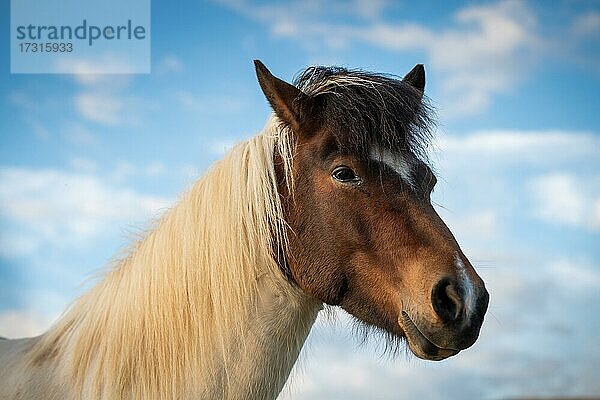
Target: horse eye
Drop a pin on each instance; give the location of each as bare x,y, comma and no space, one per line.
344,174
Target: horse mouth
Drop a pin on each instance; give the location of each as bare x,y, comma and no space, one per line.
418,343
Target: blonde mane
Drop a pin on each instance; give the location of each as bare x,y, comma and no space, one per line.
185,291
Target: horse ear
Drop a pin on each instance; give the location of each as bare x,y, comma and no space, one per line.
285,99
416,77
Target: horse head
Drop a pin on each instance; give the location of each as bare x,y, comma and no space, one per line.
363,234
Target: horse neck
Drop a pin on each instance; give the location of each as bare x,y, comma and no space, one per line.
199,306
274,337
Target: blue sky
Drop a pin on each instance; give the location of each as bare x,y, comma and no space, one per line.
86,162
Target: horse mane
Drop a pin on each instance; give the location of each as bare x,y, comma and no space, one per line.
375,110
168,308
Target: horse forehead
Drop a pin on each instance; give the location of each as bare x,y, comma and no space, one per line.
399,162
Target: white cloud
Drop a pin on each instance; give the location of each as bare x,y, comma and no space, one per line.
483,54
64,208
549,174
110,106
124,170
83,164
100,98
483,51
534,147
211,104
23,323
40,130
22,100
482,223
191,102
587,24
101,108
168,64
155,169
504,142
369,9
562,198
575,275
221,147
189,173
80,135
105,69
596,212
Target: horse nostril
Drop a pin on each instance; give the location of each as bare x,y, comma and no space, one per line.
447,301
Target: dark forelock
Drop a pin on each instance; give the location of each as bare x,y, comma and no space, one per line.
366,109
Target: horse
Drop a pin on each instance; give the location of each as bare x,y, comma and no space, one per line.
329,205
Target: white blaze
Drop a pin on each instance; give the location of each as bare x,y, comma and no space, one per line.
397,162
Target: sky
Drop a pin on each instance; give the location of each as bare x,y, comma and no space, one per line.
88,161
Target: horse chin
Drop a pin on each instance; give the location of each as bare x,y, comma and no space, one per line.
419,344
